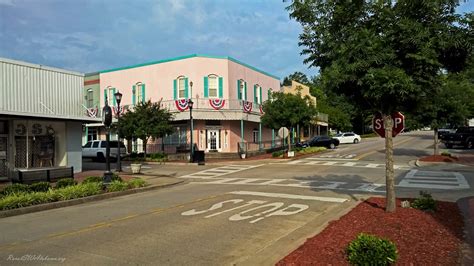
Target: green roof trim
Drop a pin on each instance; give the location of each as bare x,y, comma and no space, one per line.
186,57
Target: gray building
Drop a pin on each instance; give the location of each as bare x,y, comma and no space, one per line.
41,117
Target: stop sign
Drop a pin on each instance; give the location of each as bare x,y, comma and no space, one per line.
398,120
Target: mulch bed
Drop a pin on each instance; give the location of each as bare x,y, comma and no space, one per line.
422,238
438,158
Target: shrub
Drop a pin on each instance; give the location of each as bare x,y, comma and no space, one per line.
312,150
136,182
425,202
92,179
158,156
40,187
78,191
16,189
65,182
371,250
117,186
14,201
278,154
444,153
116,177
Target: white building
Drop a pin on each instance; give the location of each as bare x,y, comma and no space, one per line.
41,115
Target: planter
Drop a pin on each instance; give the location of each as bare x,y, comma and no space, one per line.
242,155
291,154
136,167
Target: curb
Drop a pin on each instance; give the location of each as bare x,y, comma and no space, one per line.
66,203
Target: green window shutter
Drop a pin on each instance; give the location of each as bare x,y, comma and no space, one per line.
143,93
206,87
255,93
105,96
221,85
134,95
175,89
115,100
260,92
269,96
186,88
245,90
239,93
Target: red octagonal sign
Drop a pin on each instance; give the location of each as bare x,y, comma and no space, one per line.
398,120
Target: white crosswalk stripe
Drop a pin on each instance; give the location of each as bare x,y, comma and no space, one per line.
305,184
220,171
343,163
434,180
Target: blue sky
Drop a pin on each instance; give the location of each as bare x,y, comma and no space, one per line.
92,35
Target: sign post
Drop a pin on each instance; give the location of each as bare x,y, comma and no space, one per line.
398,120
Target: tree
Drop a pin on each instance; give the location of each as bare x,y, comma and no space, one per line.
384,56
146,120
296,76
287,110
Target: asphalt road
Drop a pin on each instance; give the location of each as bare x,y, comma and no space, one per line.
247,213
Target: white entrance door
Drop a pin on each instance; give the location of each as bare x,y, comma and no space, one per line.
213,140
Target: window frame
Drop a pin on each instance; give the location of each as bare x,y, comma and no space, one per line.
179,79
216,78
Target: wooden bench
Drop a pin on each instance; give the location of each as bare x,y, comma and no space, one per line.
51,174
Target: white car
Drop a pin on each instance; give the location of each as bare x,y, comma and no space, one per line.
348,137
96,149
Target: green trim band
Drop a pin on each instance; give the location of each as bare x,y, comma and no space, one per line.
186,57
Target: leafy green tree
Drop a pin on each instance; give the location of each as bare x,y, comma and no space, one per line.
296,76
147,120
288,110
384,56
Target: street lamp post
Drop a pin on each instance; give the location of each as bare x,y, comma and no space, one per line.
118,99
107,121
190,104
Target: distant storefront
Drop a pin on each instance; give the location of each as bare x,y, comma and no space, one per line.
41,116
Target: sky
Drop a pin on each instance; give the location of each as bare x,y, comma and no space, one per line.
93,35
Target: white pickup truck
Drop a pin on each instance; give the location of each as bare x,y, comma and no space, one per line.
96,150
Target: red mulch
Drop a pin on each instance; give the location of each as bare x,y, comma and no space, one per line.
438,158
422,238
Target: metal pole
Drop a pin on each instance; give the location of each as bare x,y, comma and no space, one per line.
260,136
191,132
119,163
108,173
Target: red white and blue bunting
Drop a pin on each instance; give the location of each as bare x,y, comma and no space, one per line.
247,106
92,112
216,103
261,109
182,104
115,110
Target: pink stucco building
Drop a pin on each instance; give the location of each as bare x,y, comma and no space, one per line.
227,95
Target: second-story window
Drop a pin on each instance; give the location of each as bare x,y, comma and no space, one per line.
213,86
241,89
257,92
90,98
109,96
138,93
182,88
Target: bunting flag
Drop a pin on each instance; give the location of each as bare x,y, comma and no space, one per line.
92,112
247,106
115,110
182,104
261,109
217,103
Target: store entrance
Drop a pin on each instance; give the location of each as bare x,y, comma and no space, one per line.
3,156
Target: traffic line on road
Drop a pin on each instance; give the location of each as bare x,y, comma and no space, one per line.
345,163
434,180
288,196
220,171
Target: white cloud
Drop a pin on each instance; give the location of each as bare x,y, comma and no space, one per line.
7,2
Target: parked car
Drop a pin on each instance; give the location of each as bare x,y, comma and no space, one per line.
320,141
96,150
348,137
464,136
442,132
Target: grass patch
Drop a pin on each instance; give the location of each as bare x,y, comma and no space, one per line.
136,183
117,186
